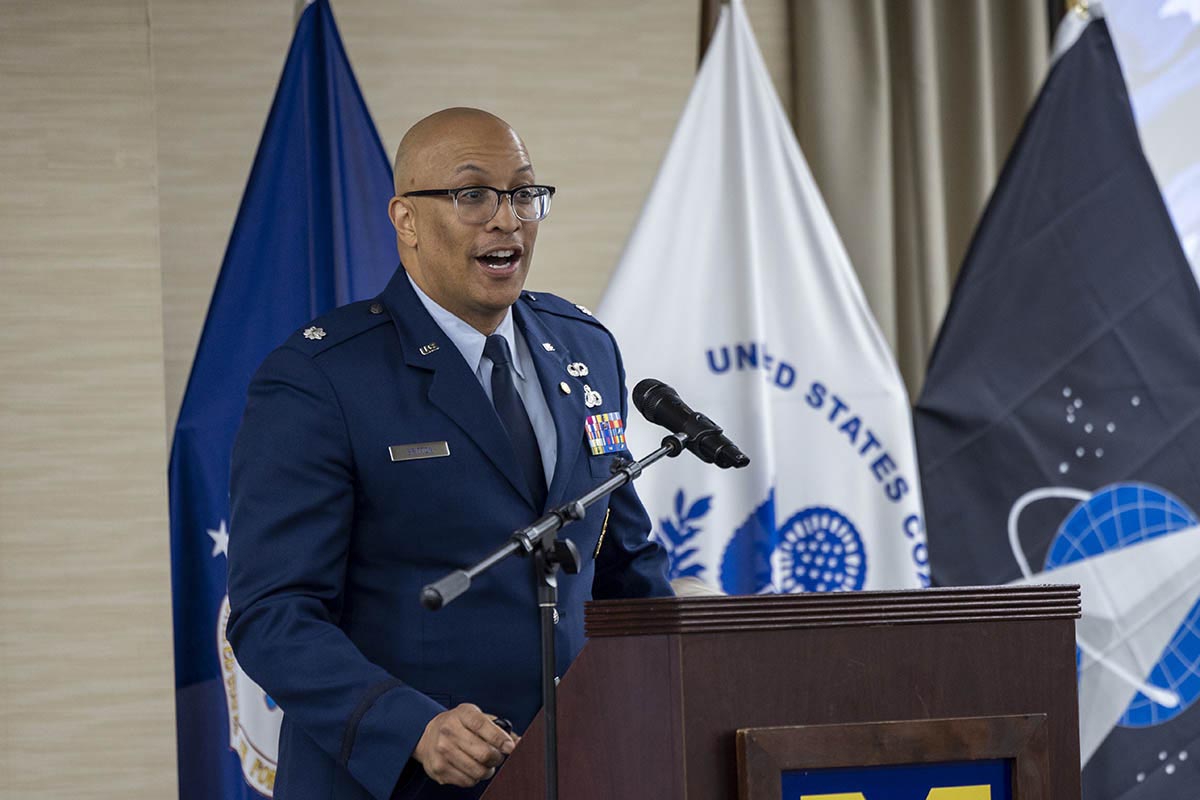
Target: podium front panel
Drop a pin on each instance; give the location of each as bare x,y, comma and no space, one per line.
991,758
653,705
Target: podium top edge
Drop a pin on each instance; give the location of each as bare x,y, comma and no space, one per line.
665,615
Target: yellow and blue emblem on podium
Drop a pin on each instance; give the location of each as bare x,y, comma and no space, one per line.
963,780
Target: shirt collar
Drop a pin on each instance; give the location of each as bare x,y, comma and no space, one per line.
468,340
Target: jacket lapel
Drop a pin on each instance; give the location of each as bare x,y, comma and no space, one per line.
454,388
567,410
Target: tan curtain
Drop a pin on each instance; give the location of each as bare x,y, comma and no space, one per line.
905,110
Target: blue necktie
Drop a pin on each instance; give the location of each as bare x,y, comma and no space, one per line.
516,421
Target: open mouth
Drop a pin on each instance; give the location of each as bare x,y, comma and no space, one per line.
500,260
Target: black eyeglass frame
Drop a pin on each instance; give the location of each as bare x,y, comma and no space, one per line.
500,193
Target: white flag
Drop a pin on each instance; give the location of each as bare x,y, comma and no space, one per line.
736,290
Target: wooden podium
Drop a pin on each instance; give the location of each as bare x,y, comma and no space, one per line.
714,698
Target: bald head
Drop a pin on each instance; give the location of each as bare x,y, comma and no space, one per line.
473,267
423,151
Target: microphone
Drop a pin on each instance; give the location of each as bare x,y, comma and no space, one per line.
661,405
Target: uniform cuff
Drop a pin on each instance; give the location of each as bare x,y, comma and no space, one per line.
386,735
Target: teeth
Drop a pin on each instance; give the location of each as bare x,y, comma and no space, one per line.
502,253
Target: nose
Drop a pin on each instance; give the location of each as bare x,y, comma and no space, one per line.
505,218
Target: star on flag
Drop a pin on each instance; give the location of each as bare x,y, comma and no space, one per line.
220,539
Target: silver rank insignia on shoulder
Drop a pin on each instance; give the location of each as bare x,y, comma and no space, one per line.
426,349
577,369
591,398
549,348
314,333
584,309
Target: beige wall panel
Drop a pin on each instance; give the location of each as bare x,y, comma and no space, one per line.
216,66
594,88
86,700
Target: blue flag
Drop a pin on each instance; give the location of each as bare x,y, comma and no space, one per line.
1059,426
312,233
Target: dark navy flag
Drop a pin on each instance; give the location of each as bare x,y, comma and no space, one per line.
312,233
1059,427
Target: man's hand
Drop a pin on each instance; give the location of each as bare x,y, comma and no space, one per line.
463,746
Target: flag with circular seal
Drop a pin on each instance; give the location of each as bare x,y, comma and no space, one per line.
767,333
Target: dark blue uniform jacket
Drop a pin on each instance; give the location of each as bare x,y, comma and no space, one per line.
331,540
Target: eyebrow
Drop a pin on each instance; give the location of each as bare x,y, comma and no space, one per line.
469,167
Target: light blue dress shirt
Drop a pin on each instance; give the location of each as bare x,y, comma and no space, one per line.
470,343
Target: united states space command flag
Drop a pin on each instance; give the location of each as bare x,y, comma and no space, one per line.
312,233
1059,427
735,289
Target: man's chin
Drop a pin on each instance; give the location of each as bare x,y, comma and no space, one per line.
498,299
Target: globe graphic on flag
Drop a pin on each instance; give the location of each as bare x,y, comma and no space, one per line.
1118,516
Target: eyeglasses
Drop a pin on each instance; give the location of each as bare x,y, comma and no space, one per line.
478,204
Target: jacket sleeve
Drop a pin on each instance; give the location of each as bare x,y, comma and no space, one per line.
629,563
292,498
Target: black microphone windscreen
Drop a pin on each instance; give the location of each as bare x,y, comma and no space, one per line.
644,387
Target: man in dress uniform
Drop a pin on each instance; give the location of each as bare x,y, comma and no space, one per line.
393,440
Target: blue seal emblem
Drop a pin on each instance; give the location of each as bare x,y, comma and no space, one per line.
820,550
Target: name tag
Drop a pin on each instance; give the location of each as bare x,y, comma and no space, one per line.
413,452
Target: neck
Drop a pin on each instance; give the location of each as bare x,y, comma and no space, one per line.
484,321
485,326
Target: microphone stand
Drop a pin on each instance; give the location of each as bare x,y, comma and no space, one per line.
540,539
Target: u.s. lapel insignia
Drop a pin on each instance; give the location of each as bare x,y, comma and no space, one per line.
549,348
605,432
577,369
428,348
591,398
314,332
584,309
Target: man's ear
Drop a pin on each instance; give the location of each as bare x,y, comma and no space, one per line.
401,213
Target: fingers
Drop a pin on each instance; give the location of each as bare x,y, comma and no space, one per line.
462,746
450,775
485,727
458,770
475,750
